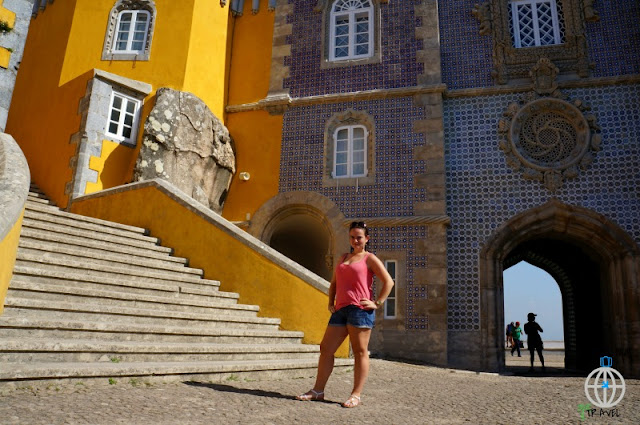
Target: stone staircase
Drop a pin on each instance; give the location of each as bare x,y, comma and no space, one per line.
92,300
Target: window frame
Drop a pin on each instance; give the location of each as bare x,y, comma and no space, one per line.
392,296
131,32
352,34
118,136
350,151
515,21
511,64
109,52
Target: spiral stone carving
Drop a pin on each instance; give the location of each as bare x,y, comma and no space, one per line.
549,139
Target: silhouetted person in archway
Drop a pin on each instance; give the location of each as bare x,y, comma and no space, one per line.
534,340
515,334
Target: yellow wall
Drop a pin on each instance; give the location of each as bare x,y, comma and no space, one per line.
116,160
205,74
237,266
250,65
8,250
257,138
64,45
7,15
256,134
43,115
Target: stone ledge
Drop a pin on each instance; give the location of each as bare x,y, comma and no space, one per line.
401,221
14,183
347,97
567,84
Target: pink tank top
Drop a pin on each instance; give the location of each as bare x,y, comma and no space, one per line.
353,282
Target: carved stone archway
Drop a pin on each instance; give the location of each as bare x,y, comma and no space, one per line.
302,208
613,259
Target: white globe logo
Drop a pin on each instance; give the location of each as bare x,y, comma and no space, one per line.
604,383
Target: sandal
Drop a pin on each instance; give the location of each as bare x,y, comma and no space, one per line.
353,401
311,395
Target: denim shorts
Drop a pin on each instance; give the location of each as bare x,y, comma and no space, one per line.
354,316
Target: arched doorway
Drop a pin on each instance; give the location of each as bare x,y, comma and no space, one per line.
305,240
305,226
596,265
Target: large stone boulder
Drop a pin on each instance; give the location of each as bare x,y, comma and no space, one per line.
186,144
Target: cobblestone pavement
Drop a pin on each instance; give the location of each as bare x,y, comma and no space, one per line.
396,393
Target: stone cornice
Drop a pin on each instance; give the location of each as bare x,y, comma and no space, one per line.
415,220
567,84
345,97
437,88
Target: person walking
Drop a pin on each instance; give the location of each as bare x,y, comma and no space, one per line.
534,340
509,331
515,334
352,313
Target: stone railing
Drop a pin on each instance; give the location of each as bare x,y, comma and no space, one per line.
14,188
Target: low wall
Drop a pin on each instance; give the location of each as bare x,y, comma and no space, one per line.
14,188
242,263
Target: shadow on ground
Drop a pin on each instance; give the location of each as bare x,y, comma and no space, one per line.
257,393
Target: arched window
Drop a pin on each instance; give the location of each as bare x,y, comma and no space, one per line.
535,23
131,33
351,30
130,30
350,151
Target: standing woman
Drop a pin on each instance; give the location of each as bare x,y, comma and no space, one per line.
352,312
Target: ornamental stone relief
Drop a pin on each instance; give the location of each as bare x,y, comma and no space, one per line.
545,135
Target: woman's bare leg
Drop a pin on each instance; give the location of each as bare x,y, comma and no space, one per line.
360,345
333,337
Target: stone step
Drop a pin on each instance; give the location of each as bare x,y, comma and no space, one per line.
199,288
49,228
63,265
39,209
45,351
48,291
155,252
75,221
104,256
18,375
40,328
61,310
43,200
41,251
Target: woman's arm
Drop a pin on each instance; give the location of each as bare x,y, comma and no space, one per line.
381,273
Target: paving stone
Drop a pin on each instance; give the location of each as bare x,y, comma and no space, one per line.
396,393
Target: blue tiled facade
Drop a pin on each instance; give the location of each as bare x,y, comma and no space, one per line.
613,43
466,55
483,192
392,195
398,44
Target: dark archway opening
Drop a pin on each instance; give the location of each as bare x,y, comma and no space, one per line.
305,241
579,275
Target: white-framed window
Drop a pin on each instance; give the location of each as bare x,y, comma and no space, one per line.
351,30
131,31
123,119
350,151
535,23
390,303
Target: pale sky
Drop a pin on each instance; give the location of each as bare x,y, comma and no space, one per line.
530,289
